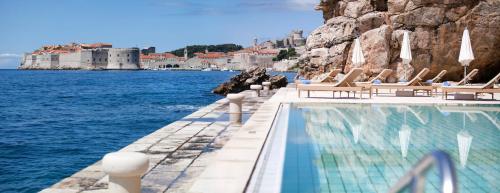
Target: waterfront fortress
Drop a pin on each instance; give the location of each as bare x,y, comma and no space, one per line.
98,56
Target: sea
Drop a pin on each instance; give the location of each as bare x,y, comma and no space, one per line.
55,123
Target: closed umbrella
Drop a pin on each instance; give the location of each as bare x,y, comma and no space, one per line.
466,56
357,54
405,54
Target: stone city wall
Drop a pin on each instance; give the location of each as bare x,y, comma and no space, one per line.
123,59
87,59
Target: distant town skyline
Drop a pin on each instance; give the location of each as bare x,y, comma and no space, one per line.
165,24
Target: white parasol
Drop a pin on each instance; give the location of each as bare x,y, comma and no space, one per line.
405,54
466,56
357,54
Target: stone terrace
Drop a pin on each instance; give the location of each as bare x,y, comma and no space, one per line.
187,155
178,152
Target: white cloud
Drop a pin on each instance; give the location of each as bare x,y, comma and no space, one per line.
9,60
303,4
9,55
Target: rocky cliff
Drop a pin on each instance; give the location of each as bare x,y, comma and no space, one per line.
435,26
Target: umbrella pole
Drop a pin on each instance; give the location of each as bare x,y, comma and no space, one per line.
465,75
404,71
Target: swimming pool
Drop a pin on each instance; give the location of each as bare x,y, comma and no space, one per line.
368,147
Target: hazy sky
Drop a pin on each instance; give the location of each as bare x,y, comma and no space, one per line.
166,24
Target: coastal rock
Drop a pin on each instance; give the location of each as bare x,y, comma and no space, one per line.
423,16
331,8
318,56
435,27
396,6
371,21
243,81
355,9
278,81
336,30
402,71
376,49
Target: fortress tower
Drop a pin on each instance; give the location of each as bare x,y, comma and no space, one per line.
185,53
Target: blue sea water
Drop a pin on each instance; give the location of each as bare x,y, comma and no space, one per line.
54,123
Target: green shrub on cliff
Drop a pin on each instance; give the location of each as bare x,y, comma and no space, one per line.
211,48
285,54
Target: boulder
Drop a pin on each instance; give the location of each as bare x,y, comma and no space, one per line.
278,81
355,9
371,21
376,49
423,16
336,30
319,56
253,76
396,6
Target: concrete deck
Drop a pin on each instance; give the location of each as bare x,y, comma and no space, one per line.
204,153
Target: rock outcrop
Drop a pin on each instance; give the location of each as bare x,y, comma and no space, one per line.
246,78
435,26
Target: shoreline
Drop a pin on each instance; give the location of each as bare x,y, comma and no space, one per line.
170,69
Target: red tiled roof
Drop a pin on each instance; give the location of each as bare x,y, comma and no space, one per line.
158,56
211,55
96,45
267,51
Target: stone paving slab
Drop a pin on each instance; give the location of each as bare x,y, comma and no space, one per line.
178,152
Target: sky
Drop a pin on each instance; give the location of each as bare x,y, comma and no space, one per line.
25,25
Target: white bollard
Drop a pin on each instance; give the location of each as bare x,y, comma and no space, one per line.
267,87
125,170
235,107
256,88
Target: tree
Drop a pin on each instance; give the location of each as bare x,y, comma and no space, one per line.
285,54
291,53
211,48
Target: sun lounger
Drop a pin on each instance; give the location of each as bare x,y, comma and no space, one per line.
346,84
469,77
414,84
382,76
489,88
322,78
438,77
436,81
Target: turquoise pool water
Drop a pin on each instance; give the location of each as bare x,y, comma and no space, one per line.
368,147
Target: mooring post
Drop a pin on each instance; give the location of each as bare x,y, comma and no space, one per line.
235,107
125,170
256,88
267,87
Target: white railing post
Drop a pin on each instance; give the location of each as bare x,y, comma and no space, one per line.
125,170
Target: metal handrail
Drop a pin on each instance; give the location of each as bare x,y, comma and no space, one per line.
415,178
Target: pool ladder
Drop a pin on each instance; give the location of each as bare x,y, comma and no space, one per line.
415,178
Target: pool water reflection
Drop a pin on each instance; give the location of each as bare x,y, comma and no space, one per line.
368,147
